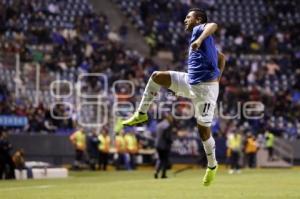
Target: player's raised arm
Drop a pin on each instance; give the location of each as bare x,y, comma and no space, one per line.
221,62
209,29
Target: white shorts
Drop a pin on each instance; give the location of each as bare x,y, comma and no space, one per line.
203,95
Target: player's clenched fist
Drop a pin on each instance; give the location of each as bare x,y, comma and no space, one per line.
195,45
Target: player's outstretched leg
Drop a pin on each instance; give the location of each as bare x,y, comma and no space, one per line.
209,148
156,80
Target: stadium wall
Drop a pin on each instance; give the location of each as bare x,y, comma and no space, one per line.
296,149
58,150
55,149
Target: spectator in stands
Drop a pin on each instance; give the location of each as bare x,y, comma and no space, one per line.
78,139
272,68
163,142
123,31
104,149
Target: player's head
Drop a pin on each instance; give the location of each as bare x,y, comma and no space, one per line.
194,17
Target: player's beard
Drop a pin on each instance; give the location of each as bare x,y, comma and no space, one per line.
187,27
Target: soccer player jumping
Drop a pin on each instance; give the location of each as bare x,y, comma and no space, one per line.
200,84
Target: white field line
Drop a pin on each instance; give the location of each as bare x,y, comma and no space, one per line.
26,187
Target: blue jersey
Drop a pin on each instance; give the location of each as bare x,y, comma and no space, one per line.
203,62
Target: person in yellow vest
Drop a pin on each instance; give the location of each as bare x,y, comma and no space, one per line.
234,143
118,125
78,139
122,160
251,148
228,157
131,144
270,144
104,146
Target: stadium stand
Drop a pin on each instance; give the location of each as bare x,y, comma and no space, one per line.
66,39
51,37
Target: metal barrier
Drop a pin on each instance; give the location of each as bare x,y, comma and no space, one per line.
284,150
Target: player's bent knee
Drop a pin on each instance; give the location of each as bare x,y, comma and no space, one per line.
154,75
161,78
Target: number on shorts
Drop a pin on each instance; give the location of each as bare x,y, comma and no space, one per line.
206,108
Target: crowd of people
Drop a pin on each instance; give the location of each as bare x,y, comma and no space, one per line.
39,117
94,149
260,67
242,149
97,150
87,46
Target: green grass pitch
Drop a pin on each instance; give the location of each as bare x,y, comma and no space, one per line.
258,183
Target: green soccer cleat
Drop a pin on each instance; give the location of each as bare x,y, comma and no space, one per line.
209,176
136,118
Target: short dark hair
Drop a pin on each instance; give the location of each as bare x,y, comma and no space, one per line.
199,13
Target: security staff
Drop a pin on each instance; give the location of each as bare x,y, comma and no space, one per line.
122,156
270,144
250,150
78,139
104,146
234,143
131,146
